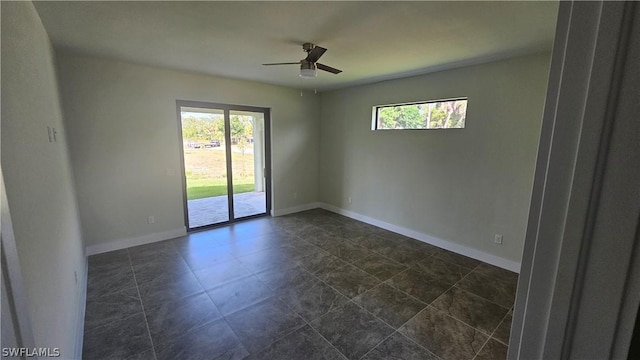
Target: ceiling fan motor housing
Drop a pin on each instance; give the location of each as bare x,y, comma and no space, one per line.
308,47
307,65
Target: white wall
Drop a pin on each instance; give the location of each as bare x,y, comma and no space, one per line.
123,133
461,186
39,183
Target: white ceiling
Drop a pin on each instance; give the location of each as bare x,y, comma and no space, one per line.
369,41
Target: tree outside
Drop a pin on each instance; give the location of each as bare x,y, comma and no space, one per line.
205,156
432,115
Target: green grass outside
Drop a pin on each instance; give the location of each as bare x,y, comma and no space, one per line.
208,187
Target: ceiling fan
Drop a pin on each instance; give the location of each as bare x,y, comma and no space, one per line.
309,64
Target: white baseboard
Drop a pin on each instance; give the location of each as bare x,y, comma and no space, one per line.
82,302
444,244
296,209
135,241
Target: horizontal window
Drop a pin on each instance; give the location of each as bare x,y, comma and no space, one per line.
438,114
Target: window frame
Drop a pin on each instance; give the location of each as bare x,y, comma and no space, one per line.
376,109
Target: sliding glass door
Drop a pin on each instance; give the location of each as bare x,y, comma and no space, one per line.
225,162
247,159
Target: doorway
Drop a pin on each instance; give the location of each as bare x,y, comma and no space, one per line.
225,162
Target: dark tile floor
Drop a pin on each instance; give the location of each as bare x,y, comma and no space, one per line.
313,285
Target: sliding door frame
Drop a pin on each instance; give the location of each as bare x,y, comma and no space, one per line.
226,108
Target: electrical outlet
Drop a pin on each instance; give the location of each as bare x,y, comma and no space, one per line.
349,199
295,195
151,220
498,239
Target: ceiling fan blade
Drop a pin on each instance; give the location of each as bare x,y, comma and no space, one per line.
284,63
315,54
328,68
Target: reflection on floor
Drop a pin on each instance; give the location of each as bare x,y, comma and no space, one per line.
313,285
214,210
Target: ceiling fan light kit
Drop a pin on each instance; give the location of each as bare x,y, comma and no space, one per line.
307,69
310,64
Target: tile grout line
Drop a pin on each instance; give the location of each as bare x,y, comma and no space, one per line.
451,287
367,311
456,319
274,296
416,314
224,317
317,331
456,282
316,276
480,296
454,285
429,305
447,315
503,319
293,311
277,338
378,344
350,300
328,285
394,329
420,346
144,313
491,337
377,317
411,296
297,236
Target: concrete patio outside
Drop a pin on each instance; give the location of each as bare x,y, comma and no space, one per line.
213,210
